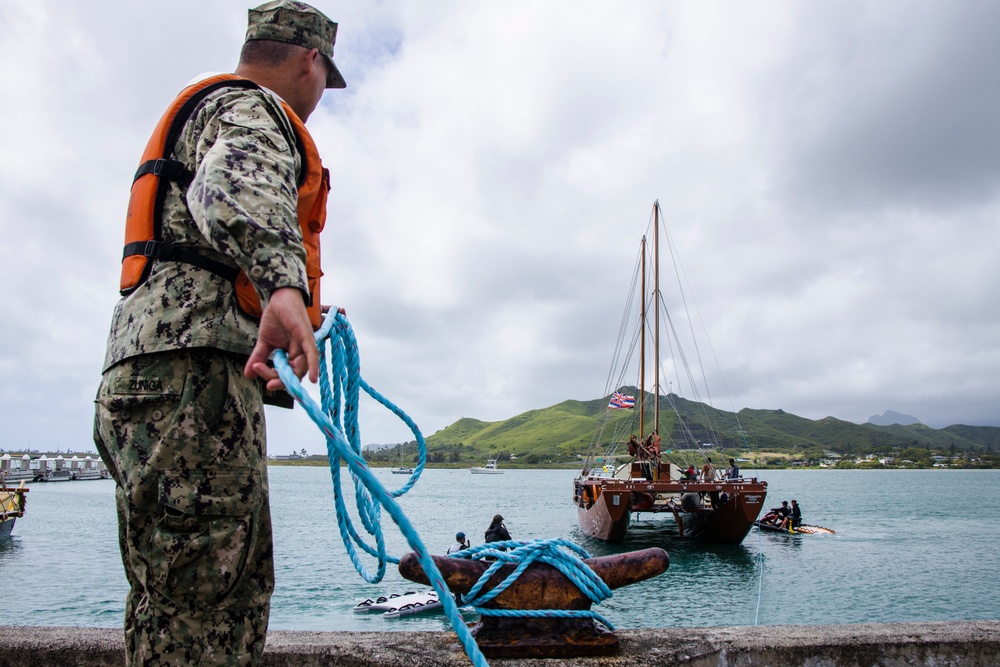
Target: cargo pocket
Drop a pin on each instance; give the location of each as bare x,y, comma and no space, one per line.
136,403
202,543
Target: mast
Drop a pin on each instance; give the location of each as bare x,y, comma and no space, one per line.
642,343
656,315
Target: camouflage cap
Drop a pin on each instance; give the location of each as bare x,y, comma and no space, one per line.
297,23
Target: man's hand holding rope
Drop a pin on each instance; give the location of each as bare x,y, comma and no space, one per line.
284,325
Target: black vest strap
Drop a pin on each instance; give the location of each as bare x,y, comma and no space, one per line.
168,252
171,170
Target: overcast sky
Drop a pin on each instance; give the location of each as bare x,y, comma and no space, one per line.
830,172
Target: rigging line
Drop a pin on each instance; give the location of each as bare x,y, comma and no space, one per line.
760,576
620,379
683,423
599,433
628,357
622,330
704,407
675,365
615,361
732,407
673,361
687,367
696,395
681,277
711,347
678,271
739,425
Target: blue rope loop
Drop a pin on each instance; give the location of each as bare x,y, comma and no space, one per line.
340,385
561,554
342,447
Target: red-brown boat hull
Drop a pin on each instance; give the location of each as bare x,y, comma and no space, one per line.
605,507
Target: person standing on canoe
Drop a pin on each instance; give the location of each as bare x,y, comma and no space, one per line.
497,532
221,268
708,471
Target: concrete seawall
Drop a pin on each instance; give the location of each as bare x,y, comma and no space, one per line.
951,644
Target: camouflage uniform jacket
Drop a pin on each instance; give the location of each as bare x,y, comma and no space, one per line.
240,209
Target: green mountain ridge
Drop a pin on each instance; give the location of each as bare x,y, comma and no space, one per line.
567,429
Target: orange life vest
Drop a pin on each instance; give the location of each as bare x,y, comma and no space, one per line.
143,224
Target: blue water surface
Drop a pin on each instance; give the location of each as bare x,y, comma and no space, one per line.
911,545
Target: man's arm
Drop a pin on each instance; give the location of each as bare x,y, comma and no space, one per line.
243,199
284,325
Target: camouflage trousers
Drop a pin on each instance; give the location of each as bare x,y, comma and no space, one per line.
182,433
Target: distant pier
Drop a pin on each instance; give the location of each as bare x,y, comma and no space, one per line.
50,467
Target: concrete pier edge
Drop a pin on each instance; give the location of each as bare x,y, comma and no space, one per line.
944,644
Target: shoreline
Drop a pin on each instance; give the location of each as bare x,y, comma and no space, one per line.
324,462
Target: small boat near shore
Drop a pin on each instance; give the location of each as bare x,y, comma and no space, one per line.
15,476
489,469
89,473
399,468
14,469
60,475
400,604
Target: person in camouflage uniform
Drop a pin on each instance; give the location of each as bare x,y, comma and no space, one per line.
179,416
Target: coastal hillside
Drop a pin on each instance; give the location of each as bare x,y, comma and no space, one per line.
567,429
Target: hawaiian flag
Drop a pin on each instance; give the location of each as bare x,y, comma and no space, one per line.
620,400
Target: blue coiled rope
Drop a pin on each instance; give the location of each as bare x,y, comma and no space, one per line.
344,361
523,554
340,386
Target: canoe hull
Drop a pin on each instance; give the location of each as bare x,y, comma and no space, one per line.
605,507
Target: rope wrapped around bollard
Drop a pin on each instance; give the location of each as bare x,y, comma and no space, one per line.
523,554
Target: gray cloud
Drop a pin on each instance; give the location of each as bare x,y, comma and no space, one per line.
827,170
893,106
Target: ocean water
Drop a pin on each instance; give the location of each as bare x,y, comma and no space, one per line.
919,545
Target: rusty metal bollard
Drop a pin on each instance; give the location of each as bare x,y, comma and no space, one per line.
541,587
